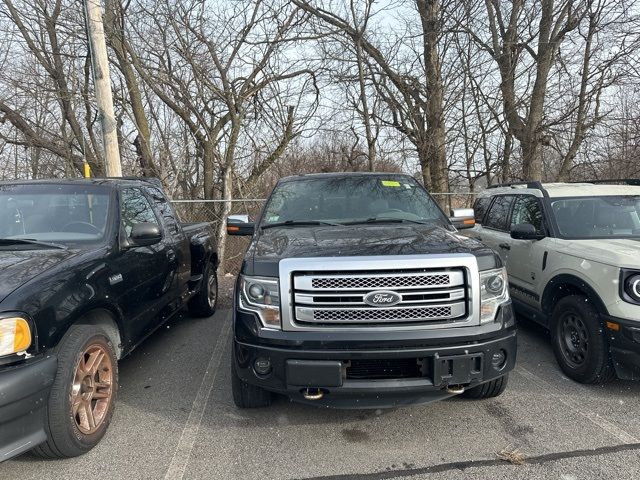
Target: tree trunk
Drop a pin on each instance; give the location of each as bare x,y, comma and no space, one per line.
227,188
429,11
116,35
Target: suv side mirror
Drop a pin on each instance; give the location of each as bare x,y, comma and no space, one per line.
463,218
144,234
525,231
240,225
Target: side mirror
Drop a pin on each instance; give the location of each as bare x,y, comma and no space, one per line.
240,225
144,234
525,231
462,218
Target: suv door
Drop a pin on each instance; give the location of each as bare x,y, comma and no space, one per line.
146,273
494,230
526,257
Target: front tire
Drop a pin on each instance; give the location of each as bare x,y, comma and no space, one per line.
490,389
246,395
204,303
579,343
83,395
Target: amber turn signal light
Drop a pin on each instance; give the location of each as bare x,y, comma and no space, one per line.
15,335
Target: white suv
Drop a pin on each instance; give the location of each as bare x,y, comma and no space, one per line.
572,252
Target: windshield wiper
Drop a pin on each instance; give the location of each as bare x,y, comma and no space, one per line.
294,223
28,241
387,220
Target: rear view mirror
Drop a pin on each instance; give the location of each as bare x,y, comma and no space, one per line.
144,234
240,225
525,231
462,218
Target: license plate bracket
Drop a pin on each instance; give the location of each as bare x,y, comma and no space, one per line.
457,369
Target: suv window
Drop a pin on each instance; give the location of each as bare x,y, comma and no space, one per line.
499,213
527,210
135,209
480,208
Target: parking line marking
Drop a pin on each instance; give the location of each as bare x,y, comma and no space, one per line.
593,417
181,456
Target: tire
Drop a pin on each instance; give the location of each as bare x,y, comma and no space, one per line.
579,344
246,395
204,303
70,431
490,389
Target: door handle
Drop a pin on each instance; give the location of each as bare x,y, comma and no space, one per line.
505,246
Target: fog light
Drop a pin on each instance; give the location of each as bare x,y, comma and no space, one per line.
499,359
262,366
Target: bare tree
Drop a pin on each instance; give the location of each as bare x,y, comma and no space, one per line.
415,103
37,26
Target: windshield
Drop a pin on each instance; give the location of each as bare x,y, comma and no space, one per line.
53,213
340,200
598,217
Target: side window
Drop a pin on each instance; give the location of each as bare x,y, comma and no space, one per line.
480,208
164,208
527,210
135,209
499,213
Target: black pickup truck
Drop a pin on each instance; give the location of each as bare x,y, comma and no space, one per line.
357,292
88,269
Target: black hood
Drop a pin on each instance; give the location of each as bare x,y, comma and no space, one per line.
271,245
17,267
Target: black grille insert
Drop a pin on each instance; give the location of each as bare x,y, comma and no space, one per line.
384,369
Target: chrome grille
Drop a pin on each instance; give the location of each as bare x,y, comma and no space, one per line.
403,281
376,315
339,299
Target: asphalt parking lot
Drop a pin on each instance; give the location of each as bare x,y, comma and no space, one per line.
175,419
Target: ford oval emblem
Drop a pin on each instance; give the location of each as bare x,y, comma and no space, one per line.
382,298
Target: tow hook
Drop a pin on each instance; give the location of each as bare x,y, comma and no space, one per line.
312,394
455,389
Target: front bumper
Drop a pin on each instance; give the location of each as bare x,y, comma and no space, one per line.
625,347
467,363
24,391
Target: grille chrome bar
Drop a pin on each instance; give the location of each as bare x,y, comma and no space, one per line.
357,316
357,299
380,281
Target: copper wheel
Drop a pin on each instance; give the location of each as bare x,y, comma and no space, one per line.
92,389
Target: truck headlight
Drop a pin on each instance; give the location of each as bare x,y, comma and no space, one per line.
494,291
631,286
15,335
261,295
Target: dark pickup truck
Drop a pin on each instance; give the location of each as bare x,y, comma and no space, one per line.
357,292
88,269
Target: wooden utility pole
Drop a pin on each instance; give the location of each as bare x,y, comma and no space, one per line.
102,86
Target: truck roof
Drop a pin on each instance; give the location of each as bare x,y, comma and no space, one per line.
343,174
89,181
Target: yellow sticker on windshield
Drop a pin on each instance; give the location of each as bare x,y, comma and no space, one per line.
390,183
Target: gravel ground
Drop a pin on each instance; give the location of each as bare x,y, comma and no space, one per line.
175,419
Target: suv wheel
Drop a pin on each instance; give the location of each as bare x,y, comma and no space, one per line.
83,394
579,344
490,389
